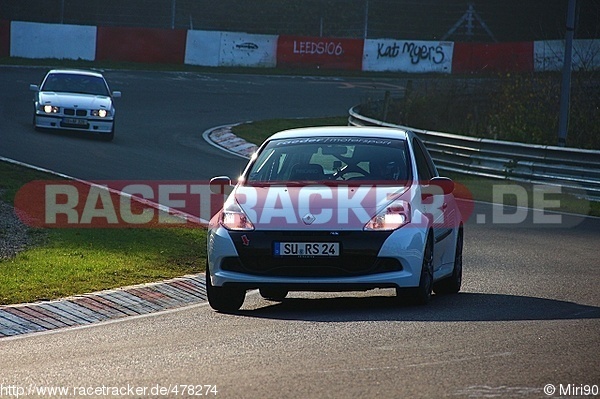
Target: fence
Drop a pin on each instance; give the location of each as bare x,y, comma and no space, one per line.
574,170
508,20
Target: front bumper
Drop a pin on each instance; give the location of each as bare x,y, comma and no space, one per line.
368,260
57,122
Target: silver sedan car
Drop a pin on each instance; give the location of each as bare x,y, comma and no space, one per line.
75,100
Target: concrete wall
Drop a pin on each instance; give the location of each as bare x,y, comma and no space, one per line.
144,45
219,48
35,40
548,55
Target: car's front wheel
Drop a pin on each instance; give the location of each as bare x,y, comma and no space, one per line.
451,285
223,299
108,136
34,122
422,294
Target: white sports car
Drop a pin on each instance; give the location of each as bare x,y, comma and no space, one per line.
335,209
75,100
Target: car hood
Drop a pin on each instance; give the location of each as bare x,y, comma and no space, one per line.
74,100
314,207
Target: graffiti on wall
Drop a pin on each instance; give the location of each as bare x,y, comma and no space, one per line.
318,52
320,47
247,50
415,52
408,56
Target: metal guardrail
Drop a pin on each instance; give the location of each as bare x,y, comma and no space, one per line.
574,170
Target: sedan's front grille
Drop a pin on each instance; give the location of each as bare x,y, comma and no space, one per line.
356,266
358,255
77,112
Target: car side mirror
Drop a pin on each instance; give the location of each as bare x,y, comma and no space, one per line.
116,94
34,88
217,184
437,186
446,184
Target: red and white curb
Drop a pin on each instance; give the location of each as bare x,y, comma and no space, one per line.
101,306
223,138
128,301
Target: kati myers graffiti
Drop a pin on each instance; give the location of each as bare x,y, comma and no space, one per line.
416,52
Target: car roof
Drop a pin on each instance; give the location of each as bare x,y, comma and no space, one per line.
75,72
342,131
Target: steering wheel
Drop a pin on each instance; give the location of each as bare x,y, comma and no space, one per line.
350,169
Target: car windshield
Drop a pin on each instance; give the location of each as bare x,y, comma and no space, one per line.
75,83
331,159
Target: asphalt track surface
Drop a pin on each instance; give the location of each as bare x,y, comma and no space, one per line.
528,315
161,118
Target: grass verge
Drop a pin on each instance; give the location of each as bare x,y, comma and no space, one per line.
65,262
257,132
75,261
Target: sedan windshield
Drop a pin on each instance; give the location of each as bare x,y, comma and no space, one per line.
74,83
331,159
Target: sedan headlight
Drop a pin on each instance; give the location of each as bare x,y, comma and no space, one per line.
101,113
234,218
50,109
392,217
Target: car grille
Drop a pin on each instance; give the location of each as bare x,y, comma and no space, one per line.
358,266
75,112
358,255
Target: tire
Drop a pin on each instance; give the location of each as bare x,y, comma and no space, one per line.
223,299
108,137
452,284
33,122
422,294
273,294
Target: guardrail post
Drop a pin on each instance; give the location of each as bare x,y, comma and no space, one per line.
387,99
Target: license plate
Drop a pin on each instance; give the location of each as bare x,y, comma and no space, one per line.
306,249
74,121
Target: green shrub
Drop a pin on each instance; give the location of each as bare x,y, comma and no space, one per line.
523,108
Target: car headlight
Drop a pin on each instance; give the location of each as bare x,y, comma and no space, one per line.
392,217
234,218
50,109
101,113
